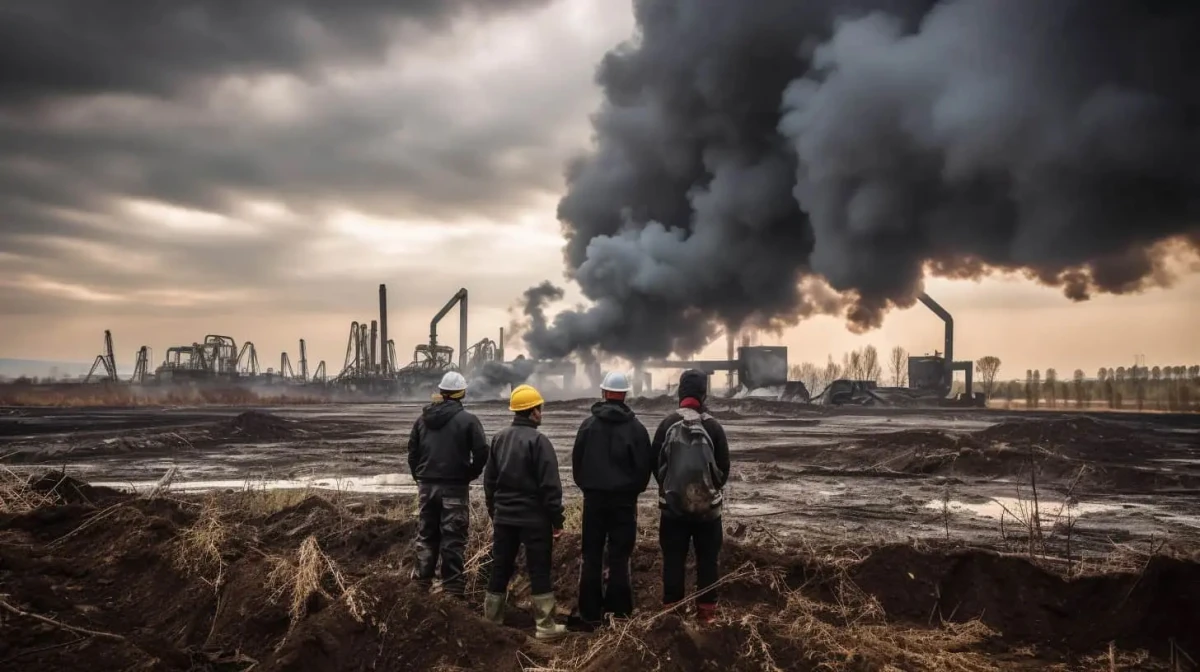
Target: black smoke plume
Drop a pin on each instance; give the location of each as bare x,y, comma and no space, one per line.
492,378
757,162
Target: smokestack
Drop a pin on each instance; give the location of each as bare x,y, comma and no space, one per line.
374,336
462,333
948,350
383,336
303,362
500,346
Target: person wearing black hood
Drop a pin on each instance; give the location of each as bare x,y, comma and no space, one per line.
447,449
692,468
611,463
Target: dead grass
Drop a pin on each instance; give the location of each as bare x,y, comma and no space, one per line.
851,633
130,396
199,547
313,573
17,497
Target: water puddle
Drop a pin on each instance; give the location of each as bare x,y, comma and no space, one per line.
377,484
1021,509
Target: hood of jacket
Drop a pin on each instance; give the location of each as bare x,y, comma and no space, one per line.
694,384
437,415
612,411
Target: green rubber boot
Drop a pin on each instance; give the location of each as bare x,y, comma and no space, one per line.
543,609
493,607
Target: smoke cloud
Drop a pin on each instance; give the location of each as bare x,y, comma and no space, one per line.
759,162
490,379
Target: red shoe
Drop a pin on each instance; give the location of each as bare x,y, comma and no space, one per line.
706,613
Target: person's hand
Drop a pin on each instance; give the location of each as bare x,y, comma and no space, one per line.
557,533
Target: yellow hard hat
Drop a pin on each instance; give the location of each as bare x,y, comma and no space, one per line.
524,397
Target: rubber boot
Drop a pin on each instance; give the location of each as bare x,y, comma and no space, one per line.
706,613
493,607
543,610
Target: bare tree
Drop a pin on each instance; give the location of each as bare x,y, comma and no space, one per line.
831,372
807,373
1078,381
899,366
1037,387
987,368
852,363
1052,387
870,363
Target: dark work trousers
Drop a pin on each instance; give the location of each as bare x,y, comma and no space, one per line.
539,546
611,521
675,536
445,518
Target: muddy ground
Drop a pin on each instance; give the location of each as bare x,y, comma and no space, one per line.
855,540
799,473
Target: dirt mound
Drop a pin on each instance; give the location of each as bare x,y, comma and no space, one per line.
1025,603
260,425
58,487
1060,431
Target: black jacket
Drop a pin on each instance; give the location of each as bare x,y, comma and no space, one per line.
715,431
521,480
612,453
447,445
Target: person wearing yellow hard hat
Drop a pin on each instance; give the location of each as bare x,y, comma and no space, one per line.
524,500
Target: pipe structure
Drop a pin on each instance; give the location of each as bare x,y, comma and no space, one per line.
460,297
500,347
709,366
462,333
948,348
384,364
112,358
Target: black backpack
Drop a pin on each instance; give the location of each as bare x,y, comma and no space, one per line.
688,470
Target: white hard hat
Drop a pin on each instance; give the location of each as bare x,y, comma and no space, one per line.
615,381
453,381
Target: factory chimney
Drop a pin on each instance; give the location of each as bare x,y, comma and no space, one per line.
462,333
383,336
948,350
374,353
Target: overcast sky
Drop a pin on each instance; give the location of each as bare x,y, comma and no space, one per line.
169,173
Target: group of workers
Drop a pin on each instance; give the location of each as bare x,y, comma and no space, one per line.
612,461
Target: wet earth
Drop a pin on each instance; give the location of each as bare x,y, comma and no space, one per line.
800,474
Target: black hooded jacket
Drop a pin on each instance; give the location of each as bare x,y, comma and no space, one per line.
612,454
521,483
447,445
694,384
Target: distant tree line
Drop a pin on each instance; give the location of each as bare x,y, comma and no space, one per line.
1162,388
1158,388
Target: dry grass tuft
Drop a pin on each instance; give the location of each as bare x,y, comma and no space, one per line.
17,497
314,573
199,548
478,557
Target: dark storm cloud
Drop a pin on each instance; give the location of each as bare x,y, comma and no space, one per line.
376,107
51,48
749,153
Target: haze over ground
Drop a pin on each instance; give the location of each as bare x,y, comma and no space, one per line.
264,189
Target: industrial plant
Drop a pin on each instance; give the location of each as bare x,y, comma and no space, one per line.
373,368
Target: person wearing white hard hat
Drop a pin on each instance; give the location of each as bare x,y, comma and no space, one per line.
611,463
447,449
